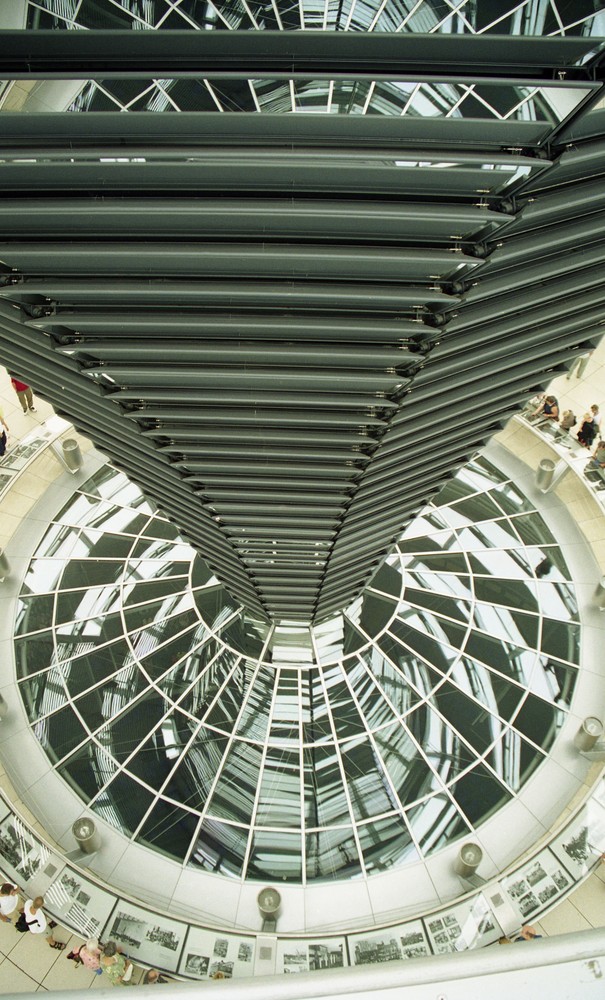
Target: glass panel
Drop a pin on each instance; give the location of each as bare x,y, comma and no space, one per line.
279,802
479,794
435,823
332,854
43,694
386,842
35,654
235,791
60,733
169,830
367,783
220,848
124,804
326,802
34,614
275,855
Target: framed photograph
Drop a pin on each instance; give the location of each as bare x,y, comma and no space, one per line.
230,954
80,904
414,942
581,844
471,924
148,937
220,970
327,954
370,948
196,965
295,959
310,956
537,884
23,856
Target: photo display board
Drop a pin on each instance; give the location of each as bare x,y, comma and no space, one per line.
208,952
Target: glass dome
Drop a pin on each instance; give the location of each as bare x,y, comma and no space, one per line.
298,753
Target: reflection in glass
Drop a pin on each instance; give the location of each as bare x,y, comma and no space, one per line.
401,724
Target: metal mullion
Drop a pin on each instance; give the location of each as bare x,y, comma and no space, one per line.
261,771
182,755
254,96
465,91
508,13
399,809
454,10
337,754
275,7
231,739
351,15
409,15
301,771
210,90
378,13
147,90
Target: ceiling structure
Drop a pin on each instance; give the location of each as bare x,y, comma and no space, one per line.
305,755
308,273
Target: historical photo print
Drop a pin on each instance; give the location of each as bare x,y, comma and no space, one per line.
22,854
579,847
154,939
206,950
326,955
296,960
83,905
369,950
197,965
539,882
225,970
413,941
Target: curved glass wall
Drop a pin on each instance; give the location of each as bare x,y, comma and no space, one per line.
297,753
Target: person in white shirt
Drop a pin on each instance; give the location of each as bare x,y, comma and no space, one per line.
9,897
37,923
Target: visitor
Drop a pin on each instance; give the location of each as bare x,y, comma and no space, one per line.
547,410
152,977
588,431
37,923
115,965
25,394
9,898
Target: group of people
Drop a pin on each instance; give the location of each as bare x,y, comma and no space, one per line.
105,959
547,412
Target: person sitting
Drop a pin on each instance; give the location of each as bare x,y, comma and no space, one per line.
587,432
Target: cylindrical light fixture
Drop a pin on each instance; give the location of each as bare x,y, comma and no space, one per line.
72,454
85,832
468,860
269,902
588,734
544,474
